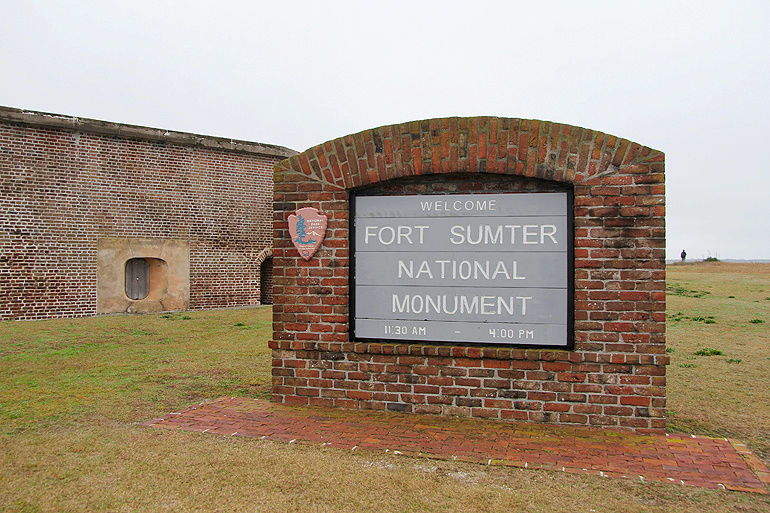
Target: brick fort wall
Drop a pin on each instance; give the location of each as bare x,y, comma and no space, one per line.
66,182
614,375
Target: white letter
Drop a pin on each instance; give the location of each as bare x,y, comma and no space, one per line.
425,269
513,231
392,235
436,304
508,306
415,309
477,268
492,239
515,272
446,310
481,235
486,303
403,267
420,229
442,263
500,269
366,238
523,303
467,269
469,308
400,307
550,235
528,234
455,233
405,232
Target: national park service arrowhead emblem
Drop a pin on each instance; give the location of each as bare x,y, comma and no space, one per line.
307,229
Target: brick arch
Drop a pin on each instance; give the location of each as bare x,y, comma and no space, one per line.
265,276
614,375
263,255
523,147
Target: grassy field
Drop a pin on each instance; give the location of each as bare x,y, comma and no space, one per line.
718,335
72,393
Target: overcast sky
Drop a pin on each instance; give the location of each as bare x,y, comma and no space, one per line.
689,78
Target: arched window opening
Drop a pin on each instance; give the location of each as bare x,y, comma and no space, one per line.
266,282
137,278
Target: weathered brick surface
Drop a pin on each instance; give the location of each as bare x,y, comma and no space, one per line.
680,459
614,376
66,182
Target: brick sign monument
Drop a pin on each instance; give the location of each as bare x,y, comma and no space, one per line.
485,267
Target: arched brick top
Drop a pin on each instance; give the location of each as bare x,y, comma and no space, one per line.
524,147
614,375
264,255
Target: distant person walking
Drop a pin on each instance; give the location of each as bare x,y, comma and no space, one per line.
683,255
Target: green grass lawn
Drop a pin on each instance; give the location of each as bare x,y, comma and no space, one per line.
73,392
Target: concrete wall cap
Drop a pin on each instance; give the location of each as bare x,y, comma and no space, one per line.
37,119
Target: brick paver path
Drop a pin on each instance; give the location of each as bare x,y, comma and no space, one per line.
680,459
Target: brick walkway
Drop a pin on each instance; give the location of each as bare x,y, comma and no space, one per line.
680,459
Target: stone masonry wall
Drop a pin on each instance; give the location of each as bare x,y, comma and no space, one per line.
614,375
66,182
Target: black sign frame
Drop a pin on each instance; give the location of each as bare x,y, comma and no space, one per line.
570,342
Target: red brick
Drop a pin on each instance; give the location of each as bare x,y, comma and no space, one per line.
635,400
619,276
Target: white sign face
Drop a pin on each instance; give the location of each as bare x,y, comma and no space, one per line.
469,268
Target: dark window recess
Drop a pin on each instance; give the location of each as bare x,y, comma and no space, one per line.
266,282
137,278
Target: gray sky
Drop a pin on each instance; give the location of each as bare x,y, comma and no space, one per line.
689,78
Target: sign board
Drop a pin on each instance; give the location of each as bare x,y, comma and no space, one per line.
467,268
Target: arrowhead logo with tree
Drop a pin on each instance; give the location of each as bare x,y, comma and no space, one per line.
307,229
